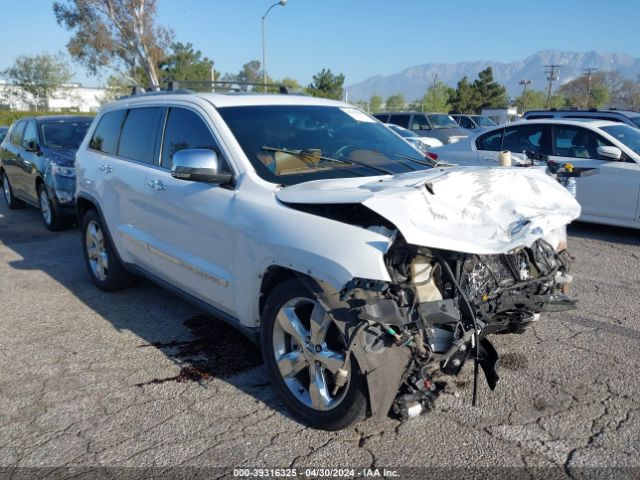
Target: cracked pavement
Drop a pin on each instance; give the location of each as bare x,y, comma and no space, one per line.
141,378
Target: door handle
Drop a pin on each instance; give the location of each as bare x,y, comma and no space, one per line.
156,184
105,168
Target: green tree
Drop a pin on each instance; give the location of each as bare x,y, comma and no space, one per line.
395,102
185,63
39,75
375,103
436,98
464,99
489,92
119,35
326,84
537,100
585,92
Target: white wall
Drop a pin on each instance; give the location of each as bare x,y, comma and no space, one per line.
71,97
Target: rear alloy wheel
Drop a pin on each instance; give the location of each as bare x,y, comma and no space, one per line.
104,267
303,350
12,202
50,216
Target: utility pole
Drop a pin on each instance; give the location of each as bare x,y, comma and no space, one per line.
589,71
553,74
524,84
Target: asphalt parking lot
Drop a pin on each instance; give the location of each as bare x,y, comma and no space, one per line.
140,378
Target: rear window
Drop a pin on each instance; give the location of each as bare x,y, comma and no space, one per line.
139,133
105,136
382,117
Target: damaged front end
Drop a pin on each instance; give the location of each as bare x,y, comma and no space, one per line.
439,308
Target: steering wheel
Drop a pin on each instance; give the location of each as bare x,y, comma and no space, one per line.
345,151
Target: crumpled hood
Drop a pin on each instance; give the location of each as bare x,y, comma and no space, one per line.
475,210
61,156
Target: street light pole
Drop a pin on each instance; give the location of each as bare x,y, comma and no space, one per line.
264,48
524,84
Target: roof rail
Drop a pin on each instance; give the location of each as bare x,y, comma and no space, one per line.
173,86
227,85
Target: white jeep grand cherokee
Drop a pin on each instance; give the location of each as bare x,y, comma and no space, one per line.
365,273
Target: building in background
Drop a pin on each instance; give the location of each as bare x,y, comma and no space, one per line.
71,97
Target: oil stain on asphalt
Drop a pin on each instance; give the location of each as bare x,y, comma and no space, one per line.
216,350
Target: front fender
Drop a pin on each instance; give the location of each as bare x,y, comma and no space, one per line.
383,370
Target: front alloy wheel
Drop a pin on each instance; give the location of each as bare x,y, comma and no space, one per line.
304,350
50,215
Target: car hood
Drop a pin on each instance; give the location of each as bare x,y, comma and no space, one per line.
61,156
476,210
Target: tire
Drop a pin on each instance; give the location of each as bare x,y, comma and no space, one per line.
321,409
104,267
12,202
50,215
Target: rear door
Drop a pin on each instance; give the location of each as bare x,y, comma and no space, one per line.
121,161
10,161
190,225
613,192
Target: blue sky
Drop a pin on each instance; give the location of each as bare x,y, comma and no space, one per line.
359,38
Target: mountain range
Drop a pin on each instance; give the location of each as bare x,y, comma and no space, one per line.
413,82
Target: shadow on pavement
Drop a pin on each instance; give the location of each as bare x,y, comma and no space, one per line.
203,346
606,233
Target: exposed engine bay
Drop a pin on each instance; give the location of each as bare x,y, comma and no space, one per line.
441,306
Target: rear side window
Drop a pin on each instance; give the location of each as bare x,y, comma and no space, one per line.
491,141
105,136
526,138
185,129
139,133
402,120
16,134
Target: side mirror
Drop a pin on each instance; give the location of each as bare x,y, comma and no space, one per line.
613,153
32,146
198,165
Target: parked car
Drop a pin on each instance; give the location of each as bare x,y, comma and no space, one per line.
308,224
36,165
436,125
628,117
610,197
3,132
473,122
421,143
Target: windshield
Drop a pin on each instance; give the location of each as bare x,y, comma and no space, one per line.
289,144
482,121
636,120
625,134
65,134
442,121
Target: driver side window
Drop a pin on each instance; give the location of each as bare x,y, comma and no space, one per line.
578,142
185,129
30,135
